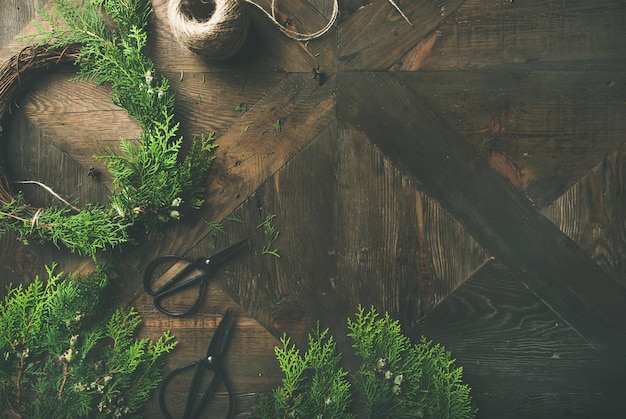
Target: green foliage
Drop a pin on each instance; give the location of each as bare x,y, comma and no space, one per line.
61,357
396,379
153,176
84,232
271,234
314,386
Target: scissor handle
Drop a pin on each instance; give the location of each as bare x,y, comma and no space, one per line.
166,381
190,411
174,285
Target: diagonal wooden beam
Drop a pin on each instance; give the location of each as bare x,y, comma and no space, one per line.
498,215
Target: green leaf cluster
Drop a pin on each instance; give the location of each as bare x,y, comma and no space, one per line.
155,180
314,386
85,232
271,234
395,379
61,357
399,379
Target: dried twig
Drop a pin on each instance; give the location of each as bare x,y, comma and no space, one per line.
49,189
393,3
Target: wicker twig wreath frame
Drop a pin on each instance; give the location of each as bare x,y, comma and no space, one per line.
17,71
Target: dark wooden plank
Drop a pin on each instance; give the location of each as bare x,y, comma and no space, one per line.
534,35
593,214
508,341
354,230
487,205
55,168
78,118
23,161
520,359
375,36
208,102
541,130
550,406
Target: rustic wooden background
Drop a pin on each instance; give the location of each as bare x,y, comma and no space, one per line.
466,173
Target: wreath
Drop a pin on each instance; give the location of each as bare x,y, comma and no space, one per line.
154,181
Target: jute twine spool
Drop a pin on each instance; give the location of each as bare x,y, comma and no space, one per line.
215,29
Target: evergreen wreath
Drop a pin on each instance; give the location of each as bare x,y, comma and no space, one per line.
154,180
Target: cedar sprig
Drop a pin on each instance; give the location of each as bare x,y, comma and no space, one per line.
62,356
315,385
398,379
271,235
85,232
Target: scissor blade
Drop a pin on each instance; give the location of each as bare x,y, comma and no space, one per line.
221,255
217,347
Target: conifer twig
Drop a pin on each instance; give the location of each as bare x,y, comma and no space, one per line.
65,375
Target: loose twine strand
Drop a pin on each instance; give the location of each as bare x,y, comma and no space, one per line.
295,35
307,36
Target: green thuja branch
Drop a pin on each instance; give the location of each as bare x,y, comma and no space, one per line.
399,379
62,357
155,181
396,378
84,232
271,235
314,386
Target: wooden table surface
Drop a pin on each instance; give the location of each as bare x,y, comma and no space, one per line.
465,173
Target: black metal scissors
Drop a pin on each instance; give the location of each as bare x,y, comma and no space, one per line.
179,282
212,361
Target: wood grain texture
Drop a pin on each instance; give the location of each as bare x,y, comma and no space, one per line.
329,236
489,208
559,35
521,359
541,130
64,111
593,214
376,36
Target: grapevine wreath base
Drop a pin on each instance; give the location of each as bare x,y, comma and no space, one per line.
16,72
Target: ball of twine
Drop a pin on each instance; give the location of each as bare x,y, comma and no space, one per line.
215,29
